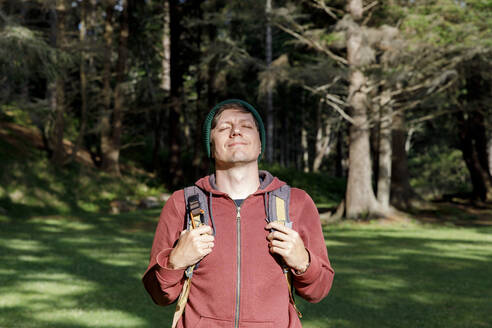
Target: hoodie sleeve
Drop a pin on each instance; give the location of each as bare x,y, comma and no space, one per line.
314,284
163,284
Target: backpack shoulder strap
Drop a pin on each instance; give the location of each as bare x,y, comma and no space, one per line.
195,198
196,214
278,210
278,206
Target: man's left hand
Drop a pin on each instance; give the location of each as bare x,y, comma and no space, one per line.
289,245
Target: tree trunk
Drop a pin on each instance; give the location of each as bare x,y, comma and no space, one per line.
166,47
402,194
384,163
304,139
359,198
480,136
269,96
323,139
489,151
470,134
175,172
165,83
107,92
58,154
83,78
119,93
305,150
339,154
199,113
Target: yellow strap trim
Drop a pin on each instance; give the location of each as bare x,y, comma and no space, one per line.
288,276
185,292
282,218
182,300
280,206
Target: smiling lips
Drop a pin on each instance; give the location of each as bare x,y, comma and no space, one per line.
236,144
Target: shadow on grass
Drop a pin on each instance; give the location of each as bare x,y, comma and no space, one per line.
456,211
84,270
433,278
80,271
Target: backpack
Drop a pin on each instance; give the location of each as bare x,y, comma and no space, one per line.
197,214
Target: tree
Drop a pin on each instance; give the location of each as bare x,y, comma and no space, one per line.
114,99
472,104
269,93
175,173
59,98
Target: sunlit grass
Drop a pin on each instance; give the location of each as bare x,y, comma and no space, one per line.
406,275
84,270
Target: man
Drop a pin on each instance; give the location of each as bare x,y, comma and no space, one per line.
240,279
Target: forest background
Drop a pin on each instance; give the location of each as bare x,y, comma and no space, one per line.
379,109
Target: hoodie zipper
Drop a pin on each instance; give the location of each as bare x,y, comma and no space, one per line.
238,257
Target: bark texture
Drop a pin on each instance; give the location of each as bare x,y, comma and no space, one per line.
107,93
323,139
402,194
175,172
83,77
119,93
269,94
58,155
474,148
111,123
385,150
359,198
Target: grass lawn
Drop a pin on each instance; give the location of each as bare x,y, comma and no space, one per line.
84,270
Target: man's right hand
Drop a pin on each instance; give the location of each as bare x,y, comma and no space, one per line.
192,246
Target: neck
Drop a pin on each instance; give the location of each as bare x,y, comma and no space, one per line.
239,181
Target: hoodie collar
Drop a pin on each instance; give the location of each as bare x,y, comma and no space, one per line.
267,183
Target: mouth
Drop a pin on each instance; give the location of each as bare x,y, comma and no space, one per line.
235,144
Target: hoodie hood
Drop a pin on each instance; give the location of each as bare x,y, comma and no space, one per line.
267,183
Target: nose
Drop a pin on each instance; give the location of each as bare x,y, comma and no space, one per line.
235,131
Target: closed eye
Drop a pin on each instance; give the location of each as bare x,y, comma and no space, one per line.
224,128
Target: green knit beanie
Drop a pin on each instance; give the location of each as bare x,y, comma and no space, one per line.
207,125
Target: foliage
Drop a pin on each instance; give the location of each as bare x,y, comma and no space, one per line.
220,53
37,56
439,170
325,190
29,185
449,23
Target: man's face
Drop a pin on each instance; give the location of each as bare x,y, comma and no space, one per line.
235,138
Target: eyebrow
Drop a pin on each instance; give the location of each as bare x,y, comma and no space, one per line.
240,121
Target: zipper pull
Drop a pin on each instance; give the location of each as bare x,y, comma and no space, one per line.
238,214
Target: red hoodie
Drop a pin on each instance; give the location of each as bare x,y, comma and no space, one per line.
239,284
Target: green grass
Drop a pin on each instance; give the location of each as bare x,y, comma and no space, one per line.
30,184
84,270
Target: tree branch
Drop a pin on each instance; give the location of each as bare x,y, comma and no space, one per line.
339,60
332,101
328,10
369,6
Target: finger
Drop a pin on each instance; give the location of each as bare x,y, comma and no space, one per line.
280,244
203,229
277,250
207,245
278,235
206,238
278,226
